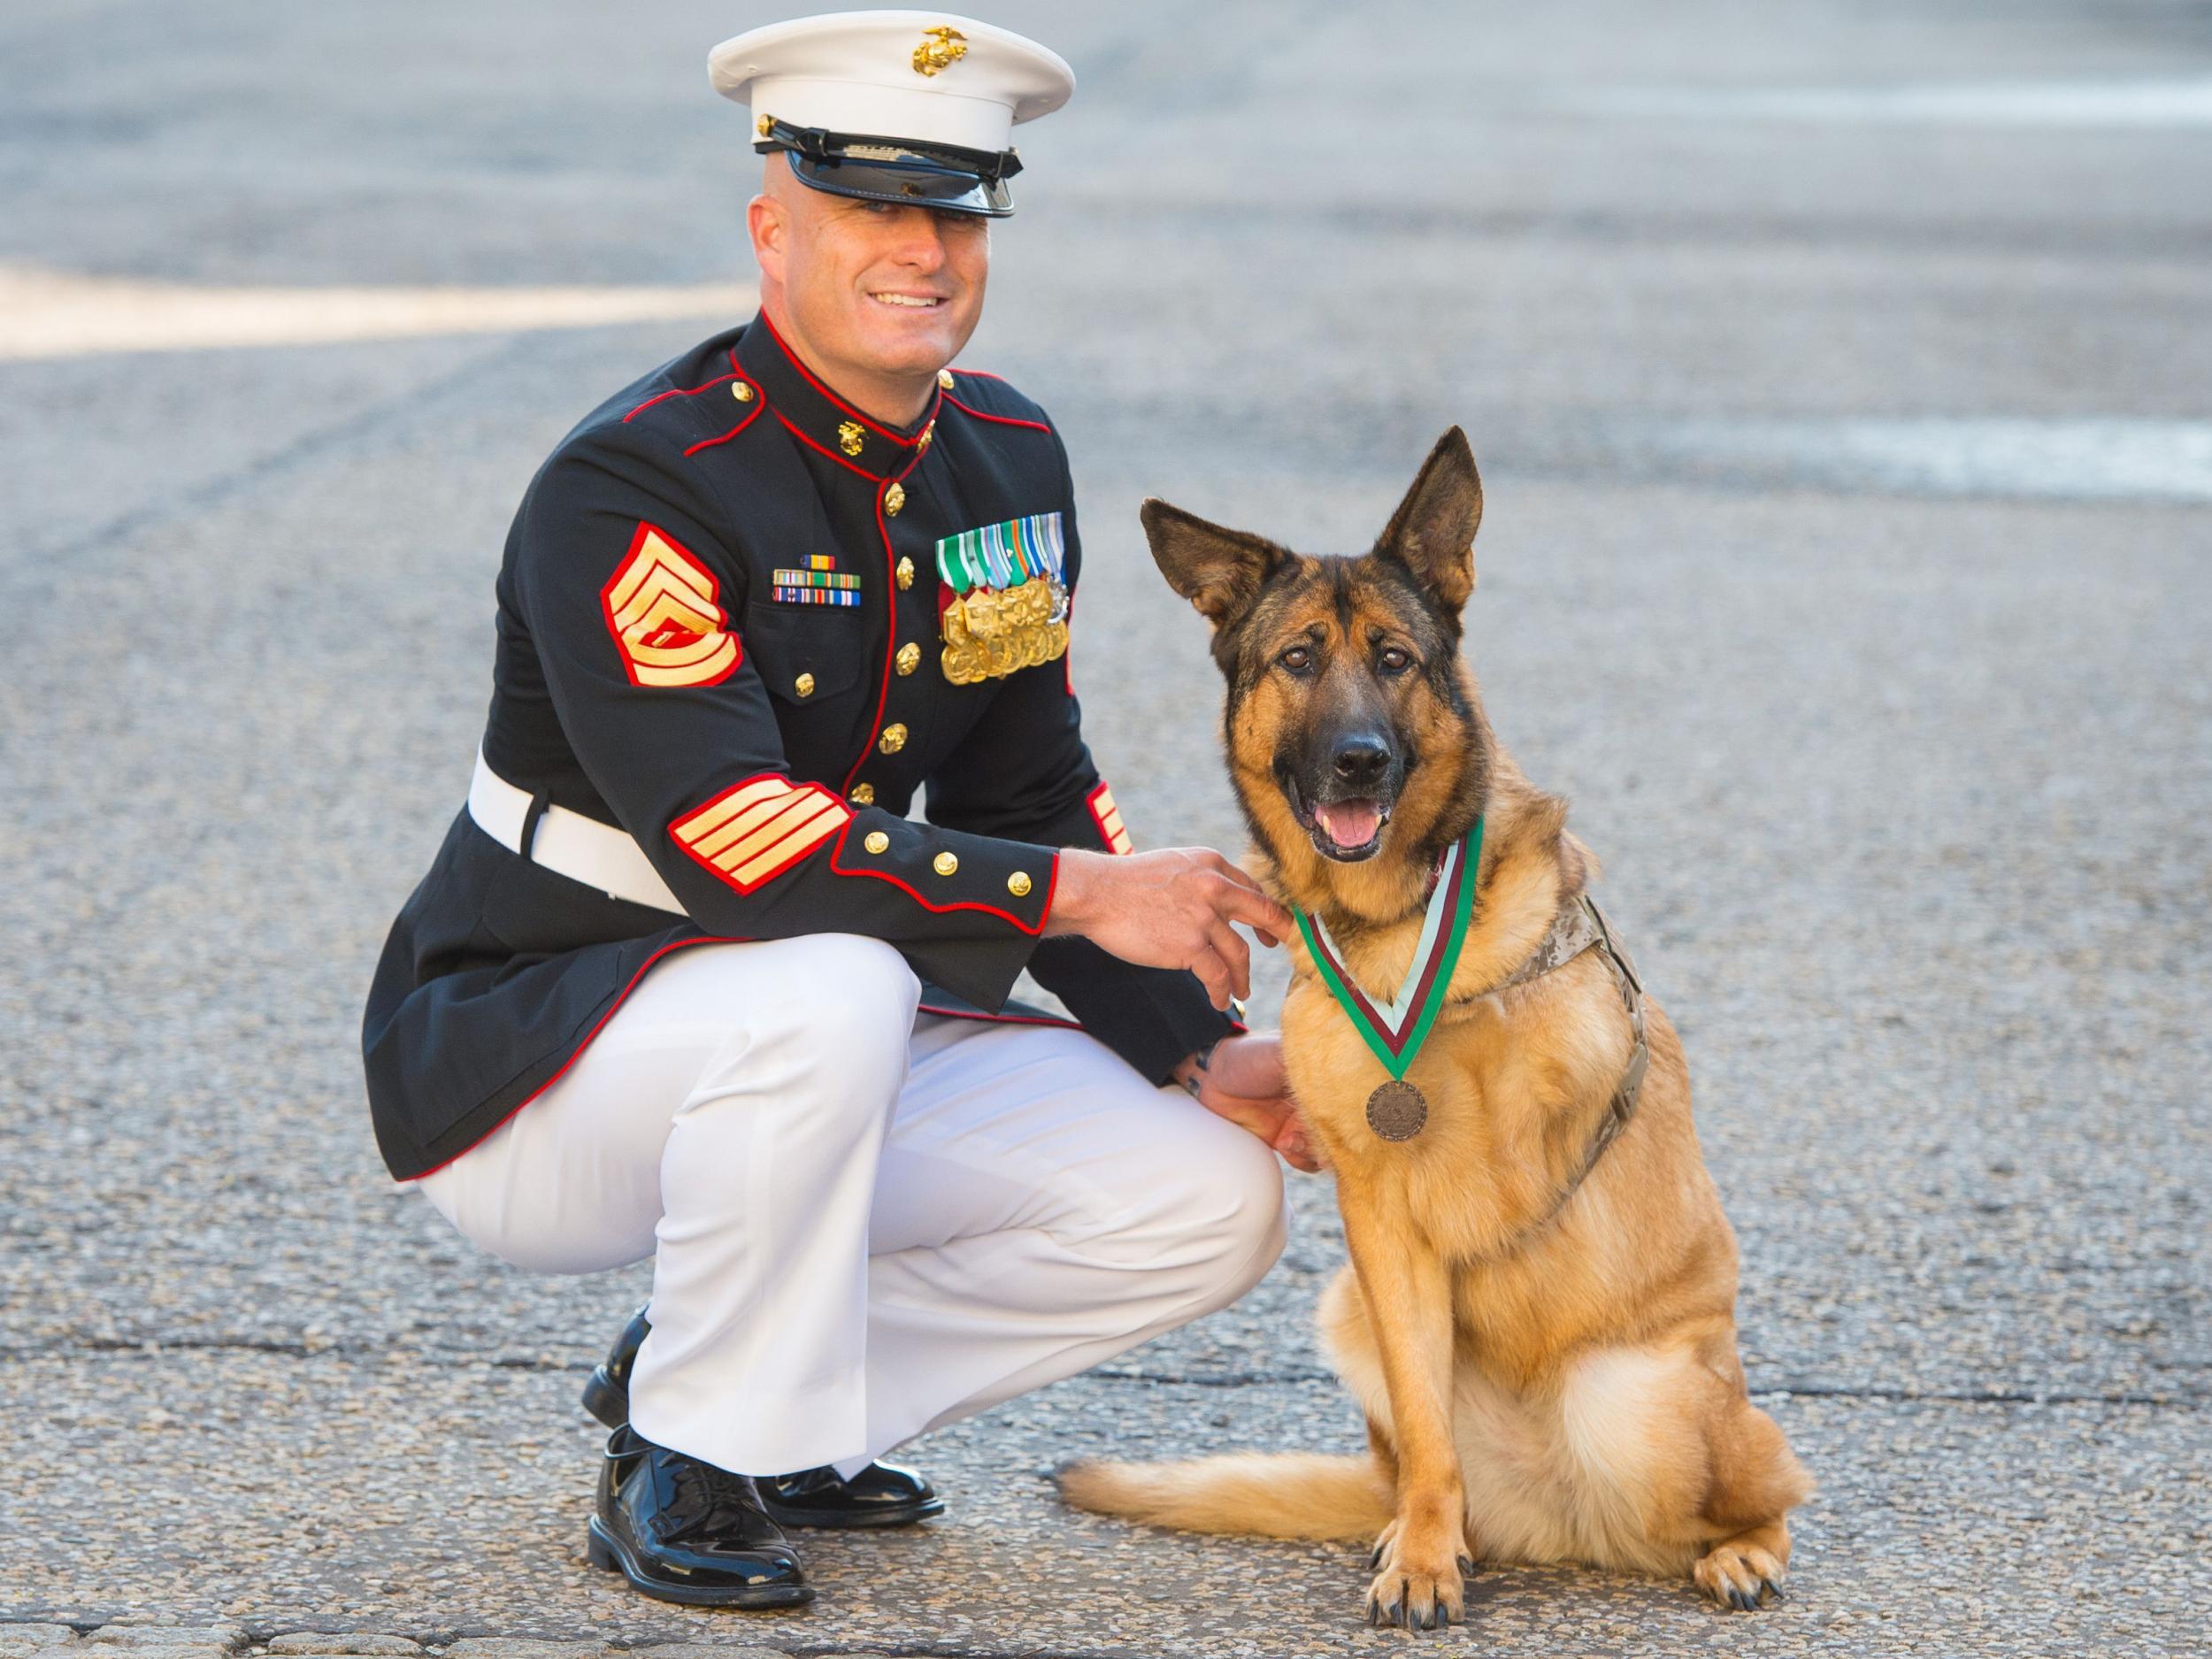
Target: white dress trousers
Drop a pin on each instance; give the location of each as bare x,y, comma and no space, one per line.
863,1224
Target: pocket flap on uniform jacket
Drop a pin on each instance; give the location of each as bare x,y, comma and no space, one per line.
809,654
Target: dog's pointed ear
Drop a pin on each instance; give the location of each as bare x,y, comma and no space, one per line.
1219,571
1433,533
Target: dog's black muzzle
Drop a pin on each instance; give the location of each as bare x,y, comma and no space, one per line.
1343,789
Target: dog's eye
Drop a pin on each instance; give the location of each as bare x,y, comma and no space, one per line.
1297,659
1396,659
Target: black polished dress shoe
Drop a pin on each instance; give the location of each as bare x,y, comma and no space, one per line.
607,1391
882,1494
681,1530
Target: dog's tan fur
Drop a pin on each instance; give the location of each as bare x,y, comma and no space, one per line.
1535,1390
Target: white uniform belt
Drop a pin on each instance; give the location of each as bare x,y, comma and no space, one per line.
568,843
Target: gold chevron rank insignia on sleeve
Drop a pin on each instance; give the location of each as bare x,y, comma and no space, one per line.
1108,817
759,829
660,607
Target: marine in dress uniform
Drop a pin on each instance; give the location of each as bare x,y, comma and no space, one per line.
685,980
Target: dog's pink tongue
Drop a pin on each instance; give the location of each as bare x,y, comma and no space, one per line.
1350,823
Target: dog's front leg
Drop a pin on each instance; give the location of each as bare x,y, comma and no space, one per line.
1419,1559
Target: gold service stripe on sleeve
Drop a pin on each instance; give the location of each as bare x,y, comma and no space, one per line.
755,814
799,839
760,829
738,840
719,810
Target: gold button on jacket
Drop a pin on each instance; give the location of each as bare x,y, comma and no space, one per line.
910,657
905,572
863,795
893,739
1018,884
804,685
876,841
945,864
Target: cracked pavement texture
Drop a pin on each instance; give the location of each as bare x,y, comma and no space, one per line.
1902,797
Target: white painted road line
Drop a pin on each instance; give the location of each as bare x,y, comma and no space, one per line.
2183,101
2098,458
49,314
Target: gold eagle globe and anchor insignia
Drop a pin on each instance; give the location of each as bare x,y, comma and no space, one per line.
941,48
1010,609
850,435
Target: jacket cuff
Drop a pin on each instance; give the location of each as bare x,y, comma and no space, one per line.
944,870
1150,1017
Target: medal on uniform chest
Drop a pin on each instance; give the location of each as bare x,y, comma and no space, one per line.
1005,606
1395,1031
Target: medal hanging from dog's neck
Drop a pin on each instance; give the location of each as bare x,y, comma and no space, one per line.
1395,1031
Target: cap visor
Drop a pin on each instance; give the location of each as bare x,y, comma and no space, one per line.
908,183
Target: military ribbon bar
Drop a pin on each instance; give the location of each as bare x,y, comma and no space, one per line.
1003,555
1395,1030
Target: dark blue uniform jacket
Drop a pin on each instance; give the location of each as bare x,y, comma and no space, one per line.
658,671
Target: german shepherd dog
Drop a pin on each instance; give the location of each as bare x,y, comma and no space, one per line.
1537,1318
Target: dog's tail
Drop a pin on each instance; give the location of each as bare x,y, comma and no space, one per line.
1288,1494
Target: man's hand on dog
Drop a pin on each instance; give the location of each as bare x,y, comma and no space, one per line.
1243,1081
1170,909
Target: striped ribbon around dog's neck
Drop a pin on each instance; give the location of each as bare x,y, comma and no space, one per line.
1395,1030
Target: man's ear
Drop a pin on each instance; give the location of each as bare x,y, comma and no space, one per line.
1221,572
765,225
1433,533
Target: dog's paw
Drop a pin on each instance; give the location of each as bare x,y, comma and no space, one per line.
1740,1575
1415,1587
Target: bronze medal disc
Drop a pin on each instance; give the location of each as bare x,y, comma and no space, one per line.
1396,1112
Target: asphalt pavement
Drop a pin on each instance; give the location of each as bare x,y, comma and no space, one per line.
1840,377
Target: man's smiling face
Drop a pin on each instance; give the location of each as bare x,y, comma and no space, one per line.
872,290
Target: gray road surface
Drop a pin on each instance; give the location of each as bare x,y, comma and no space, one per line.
1839,373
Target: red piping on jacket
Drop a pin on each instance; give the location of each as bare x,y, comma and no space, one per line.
1003,420
915,893
576,1053
623,995
681,391
807,375
890,586
1000,1019
1052,885
846,462
760,402
890,643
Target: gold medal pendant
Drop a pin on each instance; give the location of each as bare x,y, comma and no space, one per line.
1397,1110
